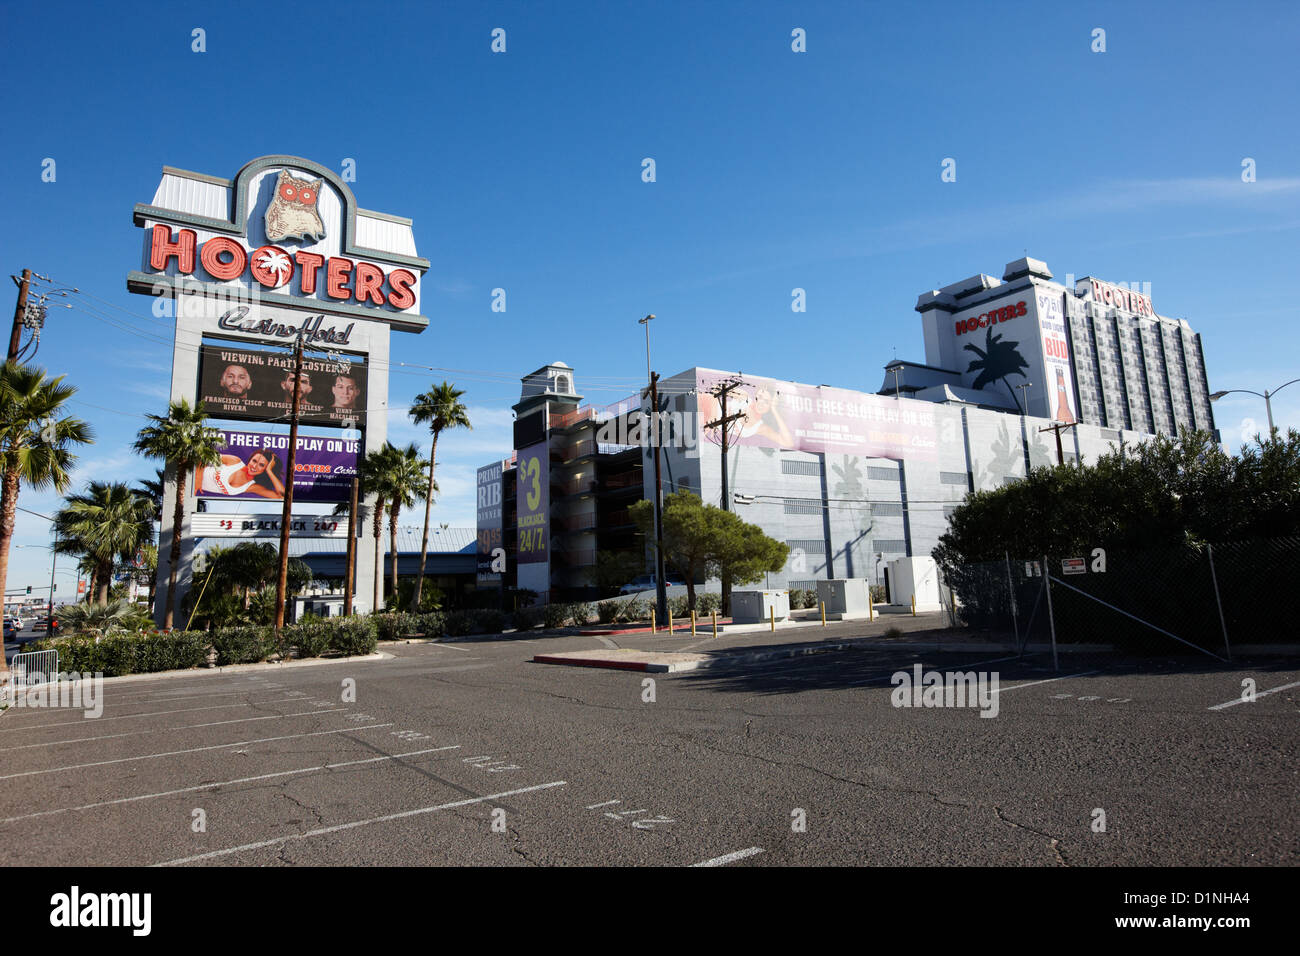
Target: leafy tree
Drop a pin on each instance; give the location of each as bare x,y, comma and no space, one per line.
184,441
441,408
1164,492
36,442
614,569
703,541
996,361
107,523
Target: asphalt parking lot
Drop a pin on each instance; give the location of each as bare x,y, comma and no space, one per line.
470,754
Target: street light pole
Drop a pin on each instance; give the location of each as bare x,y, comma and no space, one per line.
1266,395
1024,397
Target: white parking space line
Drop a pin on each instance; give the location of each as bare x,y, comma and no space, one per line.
227,783
1262,693
151,713
152,697
1047,681
995,660
168,730
192,750
322,831
730,857
452,647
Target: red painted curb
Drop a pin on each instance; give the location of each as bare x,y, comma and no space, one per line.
582,662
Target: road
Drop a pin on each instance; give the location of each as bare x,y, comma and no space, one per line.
468,753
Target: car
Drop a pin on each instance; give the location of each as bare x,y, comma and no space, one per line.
11,632
646,582
44,624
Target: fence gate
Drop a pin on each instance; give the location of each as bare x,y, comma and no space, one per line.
34,667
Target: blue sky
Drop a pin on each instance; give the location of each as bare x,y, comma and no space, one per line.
775,170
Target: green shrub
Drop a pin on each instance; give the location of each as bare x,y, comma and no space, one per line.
395,625
892,632
557,615
312,639
353,635
877,593
802,597
707,603
243,645
678,608
527,618
460,623
121,654
582,613
431,624
607,611
634,609
180,650
488,621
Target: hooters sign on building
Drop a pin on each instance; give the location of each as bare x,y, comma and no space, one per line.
288,232
279,254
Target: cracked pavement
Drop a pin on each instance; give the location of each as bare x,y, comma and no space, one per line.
724,760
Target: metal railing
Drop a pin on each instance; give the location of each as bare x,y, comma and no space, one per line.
31,668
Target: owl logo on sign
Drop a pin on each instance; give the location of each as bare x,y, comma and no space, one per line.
293,213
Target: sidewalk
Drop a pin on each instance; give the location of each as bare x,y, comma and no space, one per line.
668,653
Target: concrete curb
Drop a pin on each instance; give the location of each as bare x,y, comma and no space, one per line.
245,668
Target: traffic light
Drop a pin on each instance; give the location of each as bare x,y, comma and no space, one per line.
29,589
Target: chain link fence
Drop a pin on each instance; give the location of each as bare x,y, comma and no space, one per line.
1200,600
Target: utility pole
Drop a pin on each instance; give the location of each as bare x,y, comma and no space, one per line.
352,549
282,579
20,313
661,587
720,392
1060,453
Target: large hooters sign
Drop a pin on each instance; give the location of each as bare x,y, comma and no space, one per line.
286,231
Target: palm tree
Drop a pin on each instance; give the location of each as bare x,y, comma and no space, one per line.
404,486
107,523
36,438
996,361
370,474
184,441
441,408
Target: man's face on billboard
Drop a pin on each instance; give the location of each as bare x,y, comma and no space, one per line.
235,380
303,377
345,391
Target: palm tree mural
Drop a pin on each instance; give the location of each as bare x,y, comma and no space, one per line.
996,361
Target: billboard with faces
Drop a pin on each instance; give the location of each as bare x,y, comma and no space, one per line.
253,385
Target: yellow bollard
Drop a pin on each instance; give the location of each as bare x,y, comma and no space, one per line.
823,604
913,605
871,609
773,610
652,620
692,622
670,621
715,623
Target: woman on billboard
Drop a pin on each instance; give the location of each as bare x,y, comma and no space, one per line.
235,477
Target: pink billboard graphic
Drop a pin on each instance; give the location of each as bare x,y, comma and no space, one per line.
810,418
